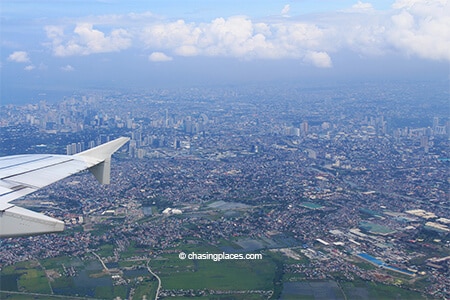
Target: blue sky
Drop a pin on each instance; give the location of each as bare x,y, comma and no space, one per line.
202,9
69,44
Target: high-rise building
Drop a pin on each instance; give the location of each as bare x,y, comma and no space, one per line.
435,122
304,127
424,141
132,150
166,120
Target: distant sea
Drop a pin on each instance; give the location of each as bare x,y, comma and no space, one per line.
23,96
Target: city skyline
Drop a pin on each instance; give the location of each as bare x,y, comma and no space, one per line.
52,46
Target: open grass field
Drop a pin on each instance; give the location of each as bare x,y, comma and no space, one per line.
177,273
224,275
364,290
71,276
28,276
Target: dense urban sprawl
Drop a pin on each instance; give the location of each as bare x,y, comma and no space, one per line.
333,173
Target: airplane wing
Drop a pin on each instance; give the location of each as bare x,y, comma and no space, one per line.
21,175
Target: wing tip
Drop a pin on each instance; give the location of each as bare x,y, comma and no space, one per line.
105,150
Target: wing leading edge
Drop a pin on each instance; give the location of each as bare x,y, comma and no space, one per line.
21,175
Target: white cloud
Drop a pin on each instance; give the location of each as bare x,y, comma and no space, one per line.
67,68
159,56
19,56
186,50
421,28
362,33
318,59
56,33
87,40
362,6
29,68
235,37
286,9
169,35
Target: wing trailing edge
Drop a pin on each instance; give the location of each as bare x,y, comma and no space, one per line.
21,175
18,221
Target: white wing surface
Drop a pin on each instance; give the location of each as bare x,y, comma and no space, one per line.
23,174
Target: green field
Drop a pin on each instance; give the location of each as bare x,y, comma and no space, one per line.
365,290
176,273
28,276
85,277
224,275
375,228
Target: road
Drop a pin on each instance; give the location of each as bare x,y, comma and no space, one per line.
100,259
157,277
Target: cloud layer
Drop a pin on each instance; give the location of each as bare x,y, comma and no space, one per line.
412,27
422,28
19,56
